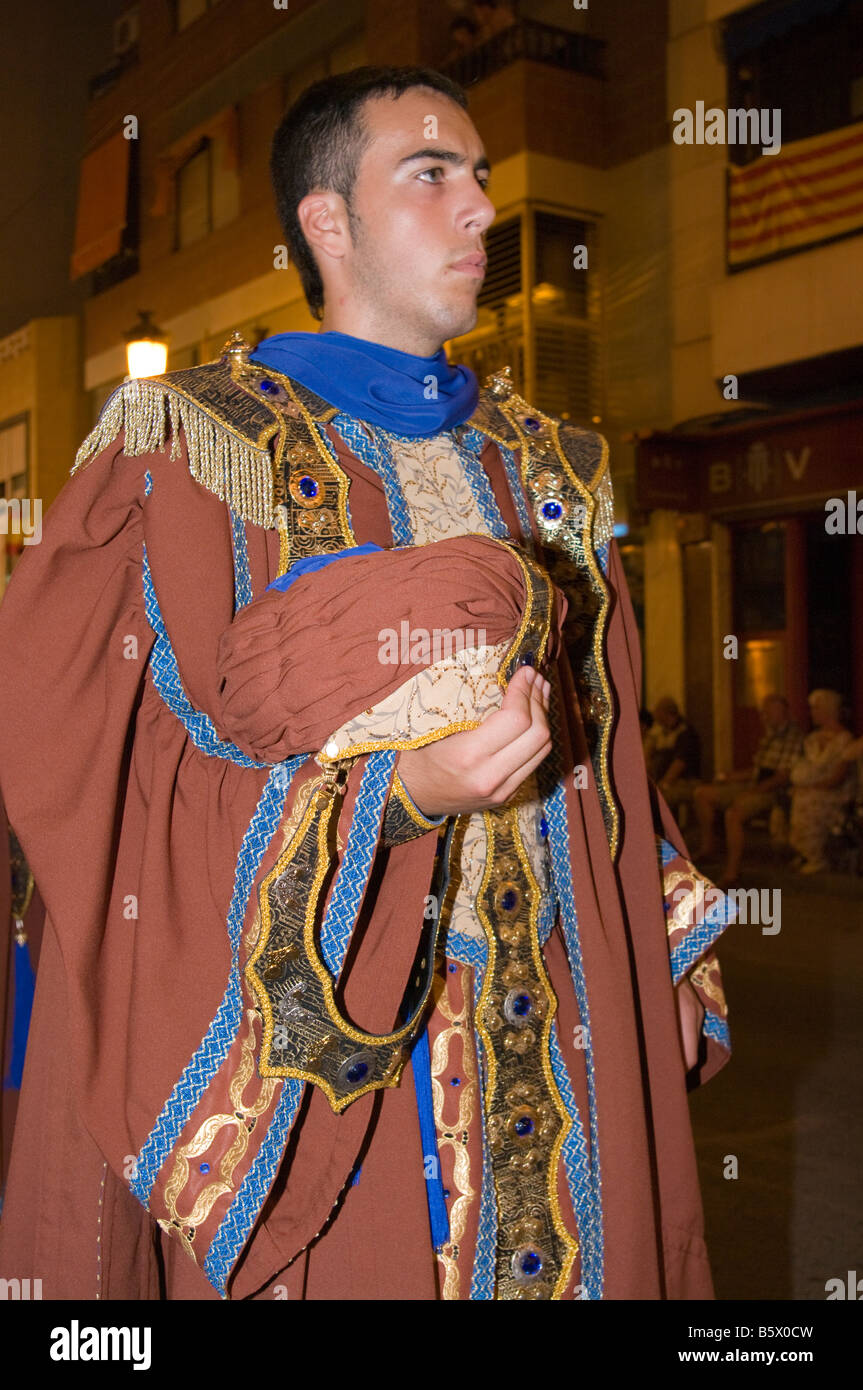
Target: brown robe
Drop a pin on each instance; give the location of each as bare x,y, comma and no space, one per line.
133,836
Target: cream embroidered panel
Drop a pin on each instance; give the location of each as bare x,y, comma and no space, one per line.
441,504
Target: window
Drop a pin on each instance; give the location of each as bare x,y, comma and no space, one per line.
564,318
207,192
548,335
349,54
811,72
193,197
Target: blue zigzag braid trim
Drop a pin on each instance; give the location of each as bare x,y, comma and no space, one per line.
667,852
483,1282
166,678
698,941
215,1045
378,458
467,950
483,1278
237,1224
717,1028
242,576
344,905
470,450
561,869
357,860
575,1162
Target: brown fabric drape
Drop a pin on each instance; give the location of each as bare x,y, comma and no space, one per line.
115,807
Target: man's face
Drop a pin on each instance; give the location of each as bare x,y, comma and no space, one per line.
773,714
666,715
419,197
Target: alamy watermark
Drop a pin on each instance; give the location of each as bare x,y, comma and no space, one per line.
737,126
419,646
21,1290
19,516
77,1343
747,906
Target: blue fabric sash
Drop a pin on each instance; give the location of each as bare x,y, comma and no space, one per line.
408,395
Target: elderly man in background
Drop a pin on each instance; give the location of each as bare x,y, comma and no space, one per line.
750,791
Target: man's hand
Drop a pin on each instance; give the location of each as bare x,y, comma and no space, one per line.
690,1012
483,767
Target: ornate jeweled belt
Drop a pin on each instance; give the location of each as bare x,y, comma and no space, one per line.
525,1114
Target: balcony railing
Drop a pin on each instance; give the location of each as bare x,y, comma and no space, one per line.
105,80
540,43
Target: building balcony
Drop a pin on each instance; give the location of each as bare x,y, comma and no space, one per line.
538,43
533,87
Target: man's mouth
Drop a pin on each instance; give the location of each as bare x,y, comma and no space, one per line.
472,265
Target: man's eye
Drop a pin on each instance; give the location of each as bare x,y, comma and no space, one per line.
436,170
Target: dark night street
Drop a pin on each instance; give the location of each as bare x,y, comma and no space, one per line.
788,1104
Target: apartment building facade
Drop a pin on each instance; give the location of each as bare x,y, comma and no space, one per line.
758,583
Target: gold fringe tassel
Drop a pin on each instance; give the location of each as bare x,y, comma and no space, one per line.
236,472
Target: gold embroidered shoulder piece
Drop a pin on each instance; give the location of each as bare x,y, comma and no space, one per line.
230,412
503,416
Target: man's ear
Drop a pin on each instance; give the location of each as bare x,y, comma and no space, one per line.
323,218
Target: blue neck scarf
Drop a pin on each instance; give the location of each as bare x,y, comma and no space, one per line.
375,383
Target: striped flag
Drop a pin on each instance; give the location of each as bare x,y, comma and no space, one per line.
811,191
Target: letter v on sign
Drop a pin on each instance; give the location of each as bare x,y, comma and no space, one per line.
797,466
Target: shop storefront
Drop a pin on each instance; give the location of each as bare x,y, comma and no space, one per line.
770,523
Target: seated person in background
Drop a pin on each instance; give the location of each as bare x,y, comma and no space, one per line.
749,791
675,754
822,781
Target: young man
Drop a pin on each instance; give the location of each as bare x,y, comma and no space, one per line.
357,980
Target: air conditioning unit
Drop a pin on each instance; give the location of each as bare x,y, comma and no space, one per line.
126,31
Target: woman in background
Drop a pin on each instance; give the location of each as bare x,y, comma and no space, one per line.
821,781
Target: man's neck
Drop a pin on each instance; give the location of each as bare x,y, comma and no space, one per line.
398,336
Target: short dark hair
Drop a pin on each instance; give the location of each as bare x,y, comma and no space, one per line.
320,141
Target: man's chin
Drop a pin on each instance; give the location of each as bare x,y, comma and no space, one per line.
456,323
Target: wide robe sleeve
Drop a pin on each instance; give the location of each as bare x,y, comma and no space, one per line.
74,641
328,633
